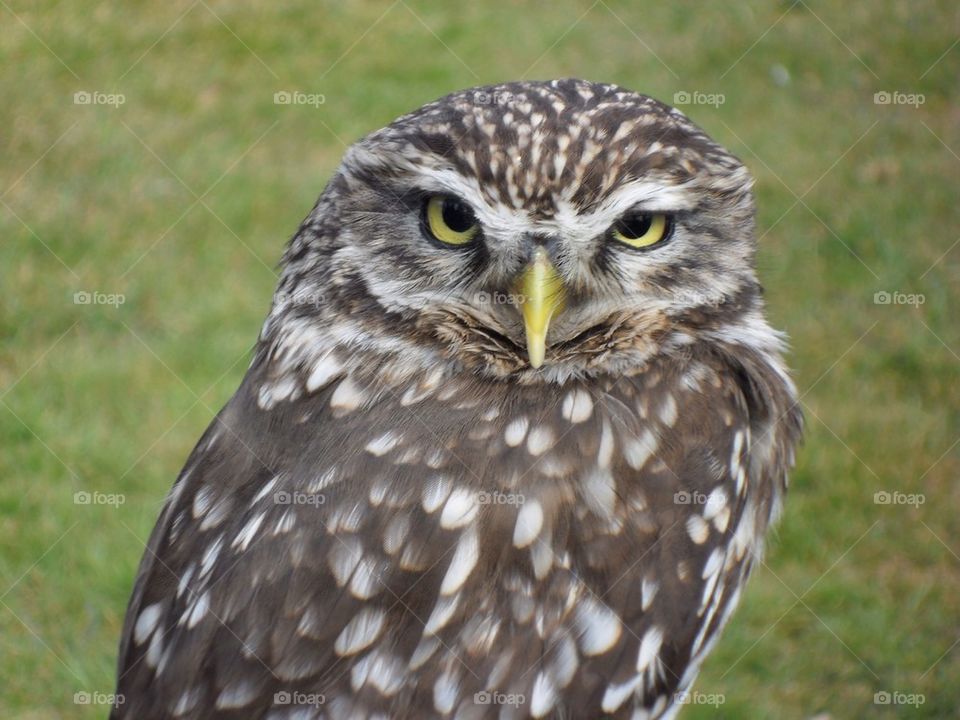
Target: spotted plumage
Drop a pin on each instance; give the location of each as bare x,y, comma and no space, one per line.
517,465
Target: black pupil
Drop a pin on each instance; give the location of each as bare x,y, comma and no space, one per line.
635,226
457,216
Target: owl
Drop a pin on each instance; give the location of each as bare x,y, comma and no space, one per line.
512,436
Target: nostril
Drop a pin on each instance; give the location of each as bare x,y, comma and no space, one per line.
541,239
531,244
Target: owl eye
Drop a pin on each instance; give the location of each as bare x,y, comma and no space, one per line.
450,220
642,230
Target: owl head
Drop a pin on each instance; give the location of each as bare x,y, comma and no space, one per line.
532,230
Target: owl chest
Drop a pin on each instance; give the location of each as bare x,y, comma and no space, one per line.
527,464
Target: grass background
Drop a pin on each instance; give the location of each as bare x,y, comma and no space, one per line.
181,199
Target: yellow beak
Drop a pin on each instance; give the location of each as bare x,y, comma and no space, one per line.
543,296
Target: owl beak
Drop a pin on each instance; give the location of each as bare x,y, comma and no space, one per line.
543,296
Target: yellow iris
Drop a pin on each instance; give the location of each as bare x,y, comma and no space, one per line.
641,230
450,221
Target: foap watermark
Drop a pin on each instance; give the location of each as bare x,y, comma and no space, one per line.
82,497
83,697
282,497
895,697
498,497
895,497
698,299
312,299
95,297
285,697
499,698
499,298
492,98
689,497
883,297
84,97
296,97
710,503
695,697
896,97
695,97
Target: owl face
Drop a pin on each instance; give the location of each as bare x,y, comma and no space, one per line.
534,229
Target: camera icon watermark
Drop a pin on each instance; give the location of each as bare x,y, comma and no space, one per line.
86,297
883,297
695,97
83,697
689,497
695,697
498,698
286,697
82,497
498,497
282,497
296,97
492,98
84,97
896,97
884,497
895,697
310,299
499,298
698,299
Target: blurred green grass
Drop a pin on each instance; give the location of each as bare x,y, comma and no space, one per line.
182,197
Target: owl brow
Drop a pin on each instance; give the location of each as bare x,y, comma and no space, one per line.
648,197
400,200
397,188
644,209
411,192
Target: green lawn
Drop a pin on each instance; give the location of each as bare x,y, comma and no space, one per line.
181,198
